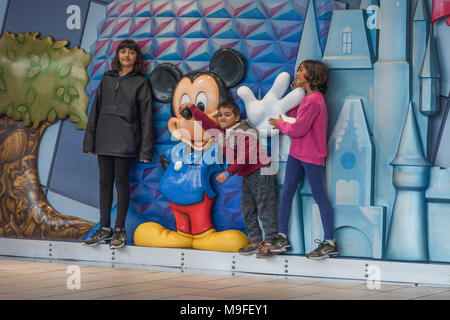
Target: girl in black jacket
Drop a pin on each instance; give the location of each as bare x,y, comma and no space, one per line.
119,130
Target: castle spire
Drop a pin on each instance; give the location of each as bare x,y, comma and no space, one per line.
421,13
429,80
309,44
410,150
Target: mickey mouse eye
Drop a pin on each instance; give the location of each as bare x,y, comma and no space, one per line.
185,99
201,101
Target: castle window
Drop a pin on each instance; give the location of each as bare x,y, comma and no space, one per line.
347,41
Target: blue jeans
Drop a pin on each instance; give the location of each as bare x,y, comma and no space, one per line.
295,171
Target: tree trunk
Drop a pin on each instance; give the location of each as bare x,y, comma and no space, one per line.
24,211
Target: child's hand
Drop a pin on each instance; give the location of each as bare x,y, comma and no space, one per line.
222,177
274,121
294,85
145,161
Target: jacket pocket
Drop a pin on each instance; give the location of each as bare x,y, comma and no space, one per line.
118,110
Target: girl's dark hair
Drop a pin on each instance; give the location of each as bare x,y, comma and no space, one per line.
232,106
318,75
132,45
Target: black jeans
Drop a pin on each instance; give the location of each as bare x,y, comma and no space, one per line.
114,169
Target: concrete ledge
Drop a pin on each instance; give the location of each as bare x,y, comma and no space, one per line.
185,260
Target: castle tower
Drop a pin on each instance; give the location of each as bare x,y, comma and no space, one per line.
429,80
408,235
391,94
420,33
350,162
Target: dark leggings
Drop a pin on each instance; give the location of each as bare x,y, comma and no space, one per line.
295,171
114,169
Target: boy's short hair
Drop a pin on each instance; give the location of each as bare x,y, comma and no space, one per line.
318,75
232,106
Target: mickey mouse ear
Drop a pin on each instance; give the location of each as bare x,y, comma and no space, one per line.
229,65
164,79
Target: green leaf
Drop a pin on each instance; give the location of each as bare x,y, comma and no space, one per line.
64,70
22,108
45,60
60,44
73,92
60,91
11,54
31,96
33,71
51,117
21,37
34,58
66,98
26,120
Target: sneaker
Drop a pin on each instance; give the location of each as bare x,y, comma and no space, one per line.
118,239
100,236
264,252
280,244
251,248
323,251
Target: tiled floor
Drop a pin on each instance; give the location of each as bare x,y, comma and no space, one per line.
29,280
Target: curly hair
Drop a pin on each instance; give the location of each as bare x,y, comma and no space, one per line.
318,75
132,45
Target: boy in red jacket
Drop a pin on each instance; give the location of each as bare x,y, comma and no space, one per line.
245,158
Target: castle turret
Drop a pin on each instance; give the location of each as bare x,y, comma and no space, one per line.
309,44
408,236
350,160
391,94
429,80
419,38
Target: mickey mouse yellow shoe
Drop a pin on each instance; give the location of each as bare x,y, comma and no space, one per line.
226,241
152,234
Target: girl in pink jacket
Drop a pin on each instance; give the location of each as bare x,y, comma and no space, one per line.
307,156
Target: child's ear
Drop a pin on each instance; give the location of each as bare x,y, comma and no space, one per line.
229,65
164,78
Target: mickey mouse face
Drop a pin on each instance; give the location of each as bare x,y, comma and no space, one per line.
206,90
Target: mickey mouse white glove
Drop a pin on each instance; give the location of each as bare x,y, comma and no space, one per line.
272,105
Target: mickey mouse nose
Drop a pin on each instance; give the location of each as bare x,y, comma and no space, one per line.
186,113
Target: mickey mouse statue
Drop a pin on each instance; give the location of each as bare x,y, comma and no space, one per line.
190,165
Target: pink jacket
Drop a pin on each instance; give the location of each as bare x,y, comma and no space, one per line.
309,131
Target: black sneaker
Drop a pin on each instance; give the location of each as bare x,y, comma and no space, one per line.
118,239
251,248
264,252
323,251
280,244
100,236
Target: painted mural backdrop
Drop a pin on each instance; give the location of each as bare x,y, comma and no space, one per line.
388,100
385,171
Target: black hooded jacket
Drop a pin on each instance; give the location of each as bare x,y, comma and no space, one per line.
120,122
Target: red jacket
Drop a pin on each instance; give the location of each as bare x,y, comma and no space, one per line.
240,146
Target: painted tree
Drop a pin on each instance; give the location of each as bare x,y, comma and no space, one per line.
41,80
